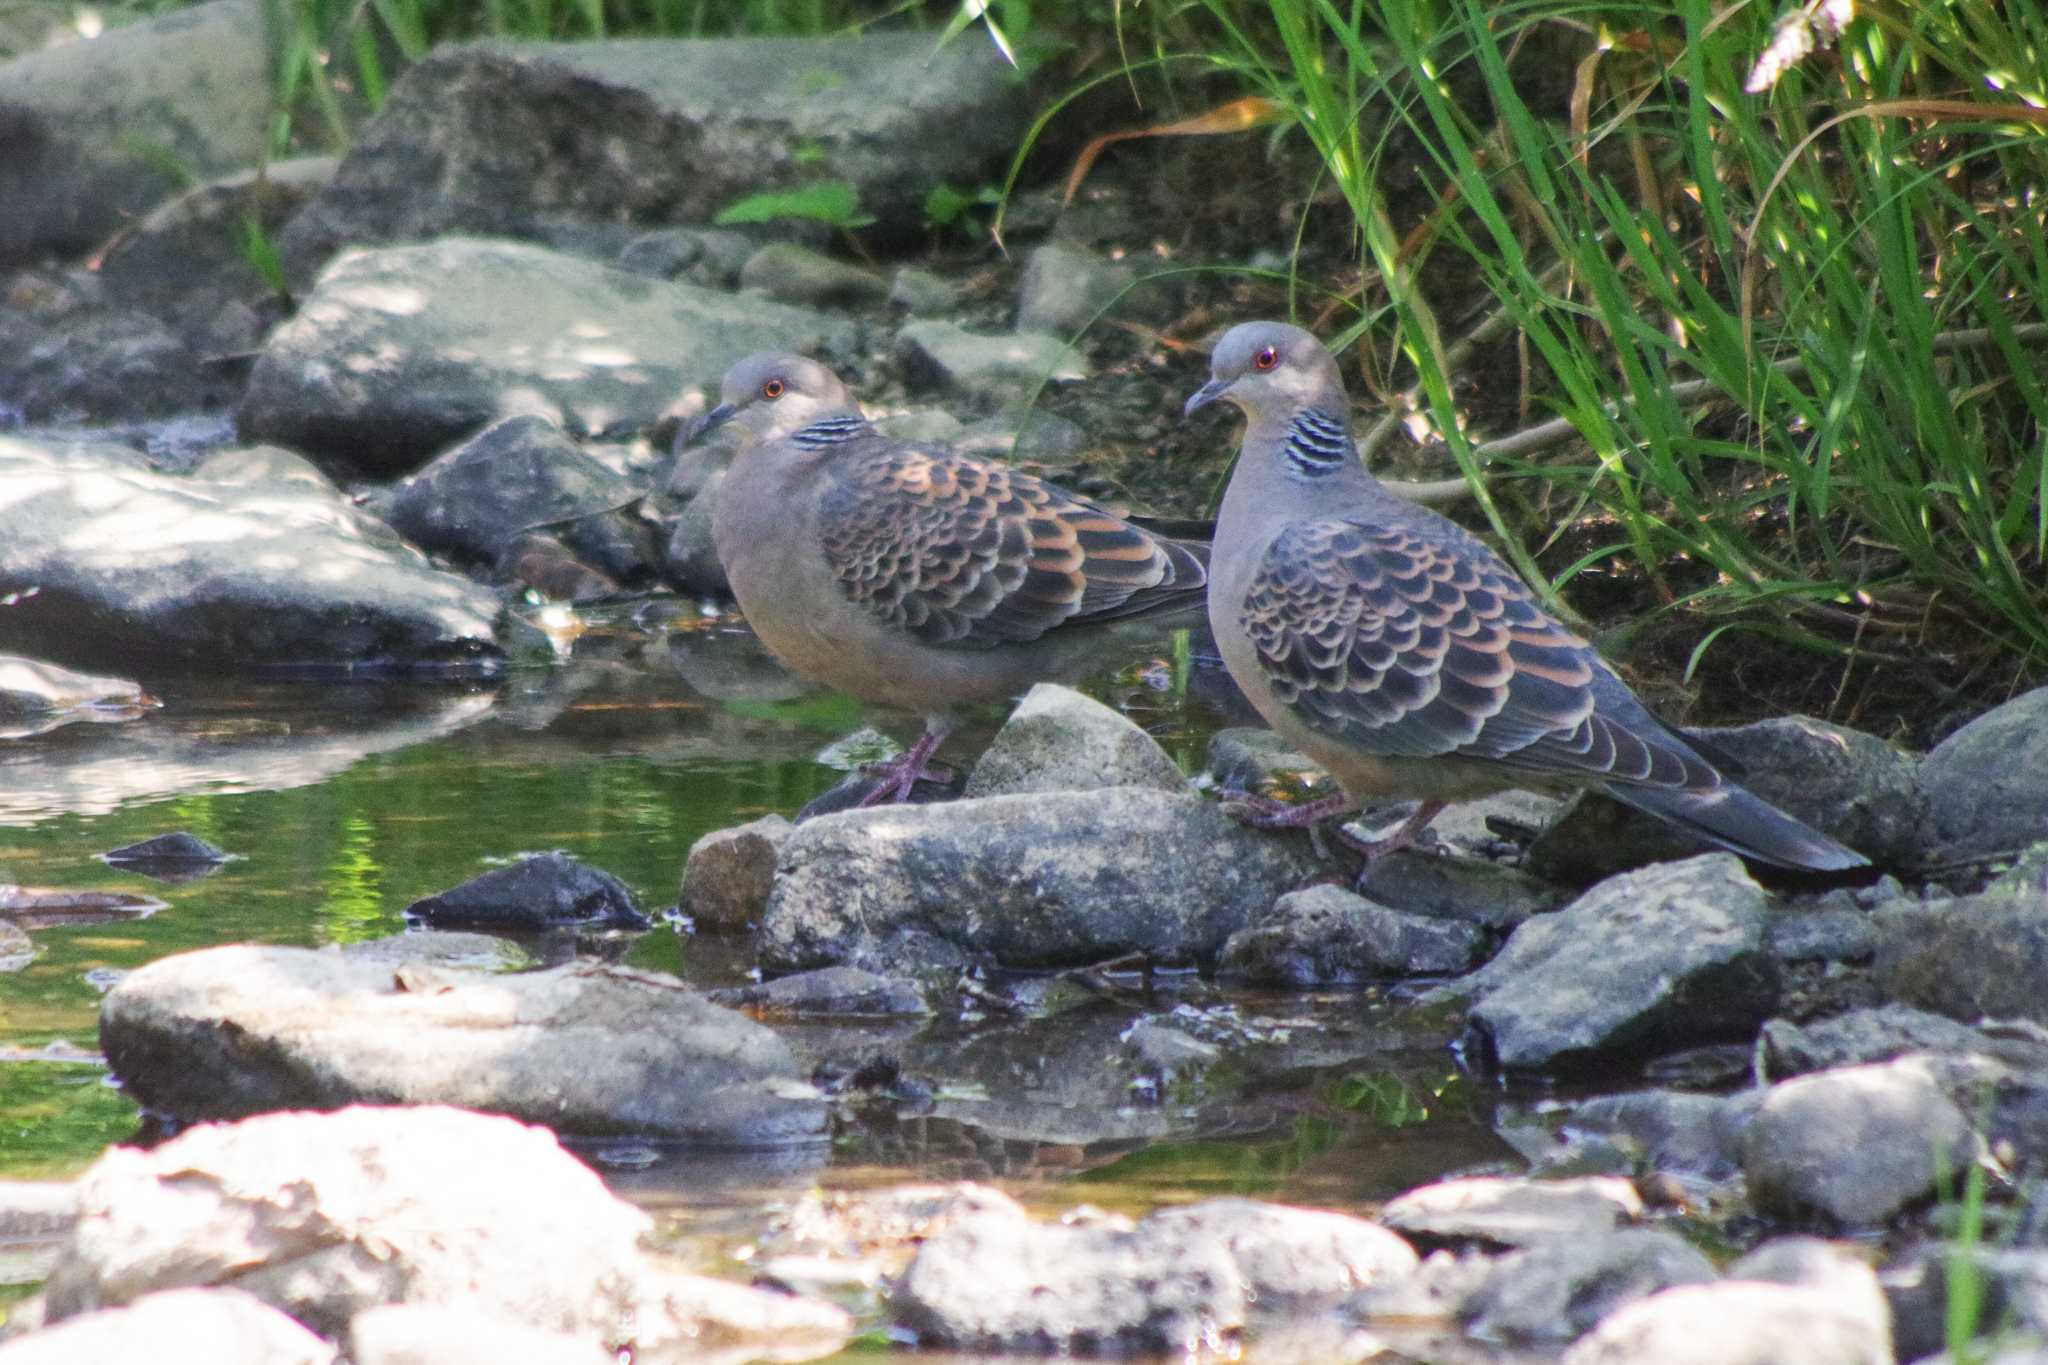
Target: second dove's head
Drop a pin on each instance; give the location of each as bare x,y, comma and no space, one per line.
1269,367
773,394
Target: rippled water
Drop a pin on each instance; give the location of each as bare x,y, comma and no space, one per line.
344,802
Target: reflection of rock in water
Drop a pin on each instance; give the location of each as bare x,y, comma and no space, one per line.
732,665
40,907
289,737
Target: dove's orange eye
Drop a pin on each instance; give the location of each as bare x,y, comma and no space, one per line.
1266,359
772,389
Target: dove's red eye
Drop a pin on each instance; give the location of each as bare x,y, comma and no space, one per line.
1266,359
772,389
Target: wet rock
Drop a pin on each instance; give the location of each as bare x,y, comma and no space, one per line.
1654,959
244,465
328,1215
517,476
219,577
36,697
178,857
729,873
175,1327
1490,895
921,293
398,351
439,948
547,891
1677,1131
1167,1053
1857,1144
1969,958
1292,1259
1834,1310
1065,287
1006,877
1557,1290
1987,784
1325,935
1501,1211
424,1334
939,355
198,79
846,992
797,274
101,365
497,137
1843,782
1822,936
1059,740
1878,1035
587,1049
17,949
1246,758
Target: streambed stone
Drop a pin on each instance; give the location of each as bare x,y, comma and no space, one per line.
1059,740
1987,784
1325,935
545,891
1556,1290
586,1048
1512,1211
1969,958
176,1326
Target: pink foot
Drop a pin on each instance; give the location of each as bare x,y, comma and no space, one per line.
906,770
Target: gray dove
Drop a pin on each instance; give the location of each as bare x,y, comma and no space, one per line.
912,577
1405,656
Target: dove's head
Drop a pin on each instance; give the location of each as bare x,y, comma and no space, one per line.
773,394
1270,369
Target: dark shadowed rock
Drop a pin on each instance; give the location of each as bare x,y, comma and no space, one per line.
1325,935
176,1326
501,137
1969,958
1044,879
1648,961
1556,1290
161,572
517,476
1843,782
102,365
328,1215
547,891
1502,1211
1819,1297
846,992
1249,758
194,83
1676,1131
1487,894
1857,1144
1059,740
178,857
729,873
36,697
398,351
1987,784
587,1049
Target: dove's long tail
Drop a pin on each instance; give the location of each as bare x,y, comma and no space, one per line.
1740,820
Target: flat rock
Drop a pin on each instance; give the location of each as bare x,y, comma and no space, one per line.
1009,878
1650,960
478,501
843,992
438,948
501,137
792,273
587,1049
327,1215
545,891
1059,740
1489,895
729,872
1325,935
938,355
1879,1034
1065,287
1857,1144
1969,958
1504,1211
197,79
36,697
175,1327
1557,1290
1291,1258
1987,784
158,572
1842,782
399,350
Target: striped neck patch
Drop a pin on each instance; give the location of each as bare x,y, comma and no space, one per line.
1318,443
831,431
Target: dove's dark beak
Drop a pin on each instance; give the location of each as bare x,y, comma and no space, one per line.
1203,397
710,421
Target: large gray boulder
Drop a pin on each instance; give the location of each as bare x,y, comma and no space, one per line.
1987,784
587,1049
398,351
1651,960
325,1216
146,571
507,137
1969,958
1041,879
86,129
175,1326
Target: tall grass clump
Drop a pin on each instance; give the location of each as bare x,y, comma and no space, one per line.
1781,276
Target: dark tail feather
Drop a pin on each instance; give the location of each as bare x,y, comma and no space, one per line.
1745,823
